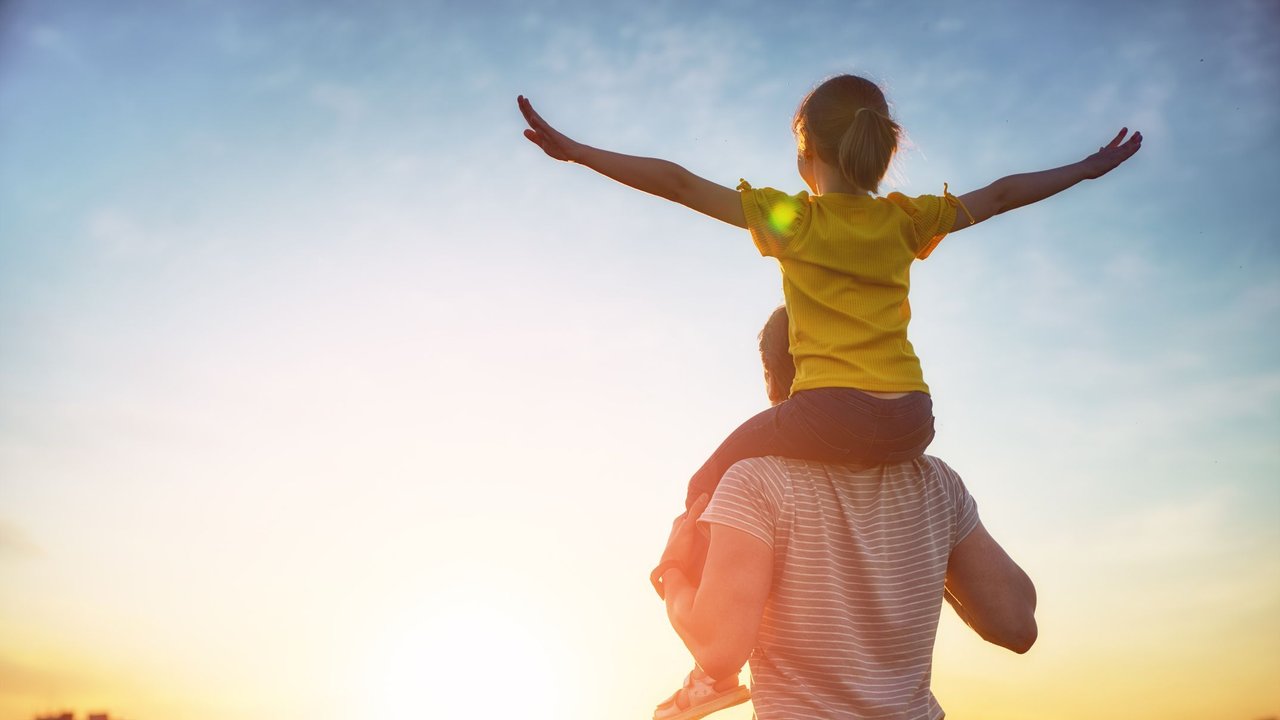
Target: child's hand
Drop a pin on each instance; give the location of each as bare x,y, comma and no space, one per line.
552,141
1115,152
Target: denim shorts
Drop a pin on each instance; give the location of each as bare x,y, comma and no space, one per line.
841,426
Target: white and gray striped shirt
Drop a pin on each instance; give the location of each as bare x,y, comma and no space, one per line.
859,561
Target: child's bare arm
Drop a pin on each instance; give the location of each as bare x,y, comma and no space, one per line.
1015,191
657,177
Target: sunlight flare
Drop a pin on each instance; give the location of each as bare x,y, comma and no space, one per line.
469,659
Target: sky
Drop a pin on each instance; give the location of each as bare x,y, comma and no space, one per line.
323,393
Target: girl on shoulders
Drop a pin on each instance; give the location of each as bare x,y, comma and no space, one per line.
859,395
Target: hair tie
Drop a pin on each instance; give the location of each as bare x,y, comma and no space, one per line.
876,115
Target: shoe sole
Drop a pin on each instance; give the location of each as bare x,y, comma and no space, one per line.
737,696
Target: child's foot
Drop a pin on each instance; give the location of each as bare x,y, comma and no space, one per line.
701,696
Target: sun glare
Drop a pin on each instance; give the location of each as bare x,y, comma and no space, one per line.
782,215
470,660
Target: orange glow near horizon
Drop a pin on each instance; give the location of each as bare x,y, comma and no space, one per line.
325,394
463,659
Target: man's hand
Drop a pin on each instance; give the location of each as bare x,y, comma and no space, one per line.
553,142
1112,154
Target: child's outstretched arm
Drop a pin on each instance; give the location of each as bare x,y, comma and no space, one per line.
1015,191
657,177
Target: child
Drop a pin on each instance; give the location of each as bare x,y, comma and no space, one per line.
858,396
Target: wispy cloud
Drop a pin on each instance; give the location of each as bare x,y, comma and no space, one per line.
948,25
346,102
1132,268
55,42
670,76
1154,550
277,77
1251,47
296,328
14,542
118,232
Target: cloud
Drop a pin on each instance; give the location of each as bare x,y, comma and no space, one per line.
15,543
118,232
1131,268
22,681
948,25
347,103
54,42
1167,531
678,76
1148,406
1151,106
1252,51
277,77
1259,302
1140,96
1193,552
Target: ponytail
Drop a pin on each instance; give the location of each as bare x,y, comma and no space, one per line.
845,120
867,148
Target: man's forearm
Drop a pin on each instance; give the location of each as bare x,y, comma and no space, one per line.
960,609
991,593
680,594
680,597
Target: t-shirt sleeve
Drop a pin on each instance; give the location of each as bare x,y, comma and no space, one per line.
966,513
932,217
773,217
746,499
966,508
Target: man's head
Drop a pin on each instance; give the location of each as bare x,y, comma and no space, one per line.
775,353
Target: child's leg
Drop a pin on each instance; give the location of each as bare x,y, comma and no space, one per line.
906,428
834,425
808,426
838,425
756,437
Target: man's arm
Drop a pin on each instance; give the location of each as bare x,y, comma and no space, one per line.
991,593
718,620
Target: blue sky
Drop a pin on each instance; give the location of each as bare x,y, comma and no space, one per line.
287,304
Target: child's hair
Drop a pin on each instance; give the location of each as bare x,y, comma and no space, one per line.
845,120
775,353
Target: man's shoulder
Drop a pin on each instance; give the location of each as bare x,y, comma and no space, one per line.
769,468
783,471
926,466
766,463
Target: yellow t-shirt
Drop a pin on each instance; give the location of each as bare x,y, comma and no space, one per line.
846,263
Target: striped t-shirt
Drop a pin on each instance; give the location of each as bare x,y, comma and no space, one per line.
859,562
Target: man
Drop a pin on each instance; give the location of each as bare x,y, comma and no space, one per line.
831,580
